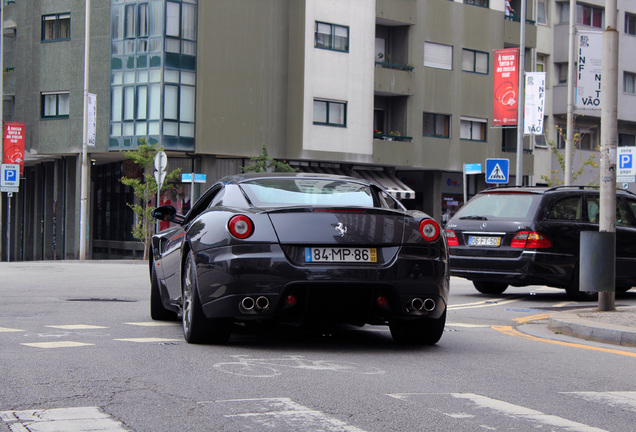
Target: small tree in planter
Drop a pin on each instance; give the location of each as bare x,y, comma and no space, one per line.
145,190
266,163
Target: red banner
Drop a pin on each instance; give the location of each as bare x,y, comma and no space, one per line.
506,87
14,144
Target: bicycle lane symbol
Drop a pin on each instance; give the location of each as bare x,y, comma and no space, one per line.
245,365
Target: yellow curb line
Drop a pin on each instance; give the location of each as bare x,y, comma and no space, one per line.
511,331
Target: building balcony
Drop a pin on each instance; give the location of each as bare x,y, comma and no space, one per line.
512,32
391,136
396,12
393,79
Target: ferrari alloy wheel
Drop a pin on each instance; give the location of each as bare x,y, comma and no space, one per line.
196,327
424,331
157,310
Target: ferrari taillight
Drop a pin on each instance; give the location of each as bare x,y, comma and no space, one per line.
530,240
451,238
240,227
429,229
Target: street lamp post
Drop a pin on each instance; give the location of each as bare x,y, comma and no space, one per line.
83,239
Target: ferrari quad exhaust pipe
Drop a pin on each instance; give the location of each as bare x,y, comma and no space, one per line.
262,303
418,305
247,304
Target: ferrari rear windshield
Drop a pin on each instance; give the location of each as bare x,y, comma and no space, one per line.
500,206
287,192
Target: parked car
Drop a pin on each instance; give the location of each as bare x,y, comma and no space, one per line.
523,236
296,248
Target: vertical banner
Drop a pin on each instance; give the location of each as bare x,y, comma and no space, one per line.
534,103
91,127
588,89
14,144
506,87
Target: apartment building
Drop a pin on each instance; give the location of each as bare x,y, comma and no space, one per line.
396,90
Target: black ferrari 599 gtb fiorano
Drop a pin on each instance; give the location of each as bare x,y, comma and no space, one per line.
297,248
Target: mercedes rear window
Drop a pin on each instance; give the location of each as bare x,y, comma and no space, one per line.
287,192
521,206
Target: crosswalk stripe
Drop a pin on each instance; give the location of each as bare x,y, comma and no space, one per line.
61,420
153,324
148,340
624,400
8,330
59,344
76,327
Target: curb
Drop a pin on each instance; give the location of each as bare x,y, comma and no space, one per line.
571,324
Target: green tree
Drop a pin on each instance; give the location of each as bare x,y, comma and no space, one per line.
145,189
266,163
557,176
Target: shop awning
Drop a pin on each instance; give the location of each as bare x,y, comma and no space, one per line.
388,181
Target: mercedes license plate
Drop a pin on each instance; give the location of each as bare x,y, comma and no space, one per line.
484,241
328,254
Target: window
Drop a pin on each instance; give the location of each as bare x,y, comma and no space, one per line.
438,56
483,3
562,68
330,113
564,12
332,37
630,24
55,105
567,209
541,61
472,129
436,125
474,61
626,140
542,17
629,82
56,27
589,16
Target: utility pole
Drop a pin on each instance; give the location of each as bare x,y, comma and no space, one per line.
569,140
83,239
609,134
520,99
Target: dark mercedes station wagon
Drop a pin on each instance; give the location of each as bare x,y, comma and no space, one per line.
524,236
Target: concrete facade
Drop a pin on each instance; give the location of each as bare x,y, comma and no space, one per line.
260,76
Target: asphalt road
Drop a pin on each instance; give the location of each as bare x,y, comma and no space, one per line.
78,350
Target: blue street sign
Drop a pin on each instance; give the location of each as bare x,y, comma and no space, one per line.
497,170
198,178
10,175
472,168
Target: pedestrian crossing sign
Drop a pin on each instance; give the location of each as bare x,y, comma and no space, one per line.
497,170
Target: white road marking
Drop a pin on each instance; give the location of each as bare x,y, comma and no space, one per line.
485,303
622,400
148,340
61,420
526,413
8,330
282,414
153,324
59,344
76,327
468,325
510,410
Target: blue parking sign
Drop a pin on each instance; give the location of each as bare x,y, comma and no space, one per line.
10,175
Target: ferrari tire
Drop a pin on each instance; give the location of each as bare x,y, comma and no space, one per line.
197,328
424,331
157,311
490,287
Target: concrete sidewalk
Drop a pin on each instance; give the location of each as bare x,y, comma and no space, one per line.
616,327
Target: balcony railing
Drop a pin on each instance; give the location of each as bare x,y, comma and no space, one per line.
394,66
391,137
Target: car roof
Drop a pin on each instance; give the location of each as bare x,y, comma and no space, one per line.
549,189
238,178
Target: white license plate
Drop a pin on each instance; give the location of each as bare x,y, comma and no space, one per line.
484,241
322,254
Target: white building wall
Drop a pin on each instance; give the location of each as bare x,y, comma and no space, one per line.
626,61
339,76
